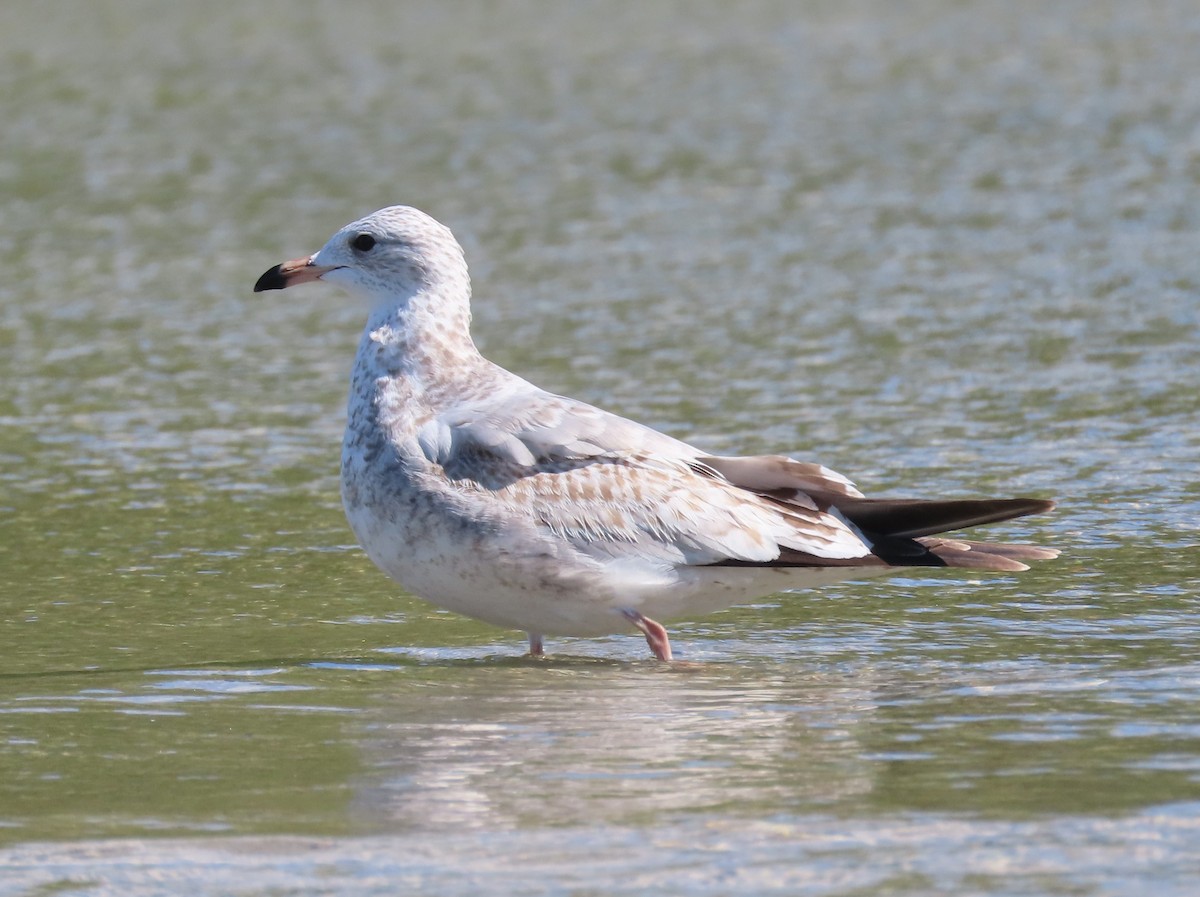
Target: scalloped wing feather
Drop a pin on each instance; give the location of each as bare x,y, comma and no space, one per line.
612,487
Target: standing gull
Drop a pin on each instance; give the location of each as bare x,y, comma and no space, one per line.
483,494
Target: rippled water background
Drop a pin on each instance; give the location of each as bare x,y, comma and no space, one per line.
948,248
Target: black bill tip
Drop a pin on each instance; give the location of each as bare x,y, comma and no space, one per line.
271,280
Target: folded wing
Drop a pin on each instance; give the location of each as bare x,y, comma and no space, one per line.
614,489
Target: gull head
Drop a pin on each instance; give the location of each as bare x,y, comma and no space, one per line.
388,256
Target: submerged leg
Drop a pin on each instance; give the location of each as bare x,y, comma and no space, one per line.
656,635
535,645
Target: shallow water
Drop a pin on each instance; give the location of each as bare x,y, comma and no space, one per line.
946,248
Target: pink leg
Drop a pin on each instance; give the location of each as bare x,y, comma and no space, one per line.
535,645
656,635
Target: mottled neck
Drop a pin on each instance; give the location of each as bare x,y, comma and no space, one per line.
425,338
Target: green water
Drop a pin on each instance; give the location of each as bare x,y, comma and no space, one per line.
946,248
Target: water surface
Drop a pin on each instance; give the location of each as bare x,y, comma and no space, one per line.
946,248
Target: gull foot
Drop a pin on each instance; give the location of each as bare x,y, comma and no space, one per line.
656,635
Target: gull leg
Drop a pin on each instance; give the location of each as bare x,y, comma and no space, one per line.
656,635
535,645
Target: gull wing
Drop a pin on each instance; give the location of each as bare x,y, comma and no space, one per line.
615,488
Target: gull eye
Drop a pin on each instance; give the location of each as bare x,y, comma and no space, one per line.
363,243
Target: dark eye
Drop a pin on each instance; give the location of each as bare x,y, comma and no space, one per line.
363,242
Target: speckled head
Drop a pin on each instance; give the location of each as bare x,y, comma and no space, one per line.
387,257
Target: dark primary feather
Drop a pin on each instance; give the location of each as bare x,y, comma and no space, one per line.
914,517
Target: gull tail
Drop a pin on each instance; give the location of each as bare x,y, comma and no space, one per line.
904,533
986,555
901,532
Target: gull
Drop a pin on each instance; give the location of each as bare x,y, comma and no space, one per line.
488,496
